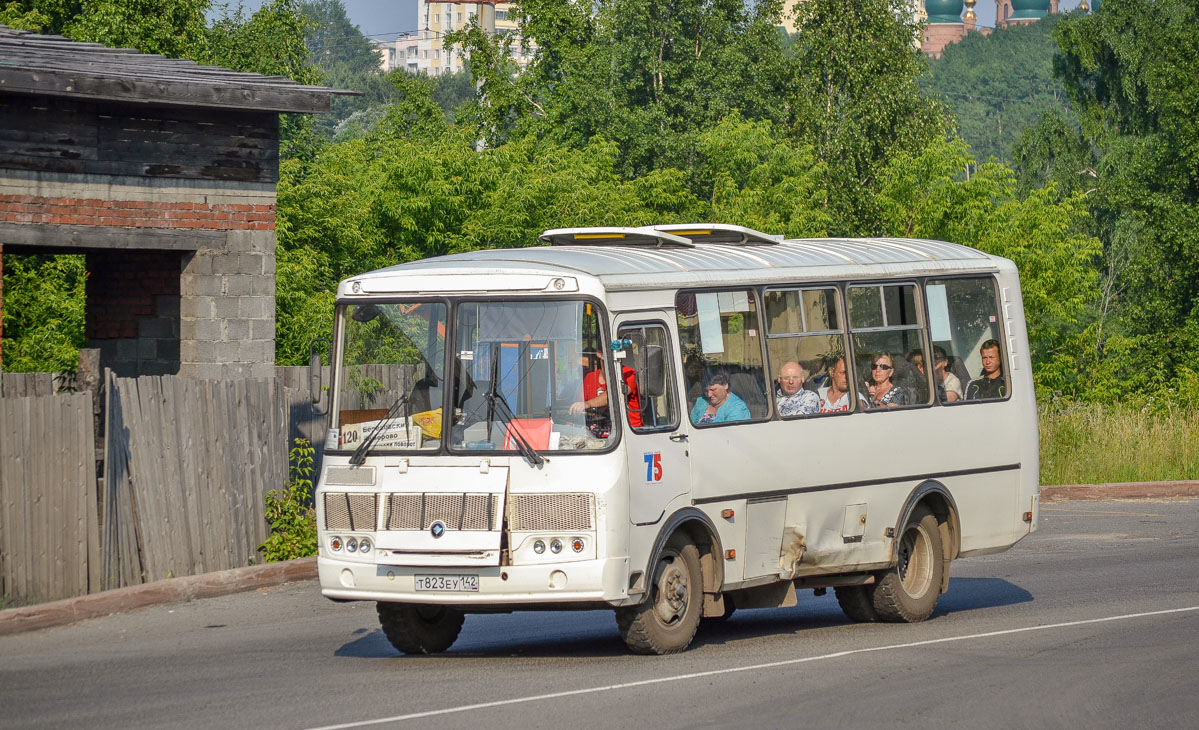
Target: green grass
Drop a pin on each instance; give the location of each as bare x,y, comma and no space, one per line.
1090,444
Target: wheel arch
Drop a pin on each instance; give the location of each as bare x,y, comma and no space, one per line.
702,533
936,497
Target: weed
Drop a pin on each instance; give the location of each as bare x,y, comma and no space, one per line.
290,510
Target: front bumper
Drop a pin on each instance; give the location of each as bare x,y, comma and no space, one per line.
603,580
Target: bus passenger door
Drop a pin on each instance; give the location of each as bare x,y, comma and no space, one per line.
655,437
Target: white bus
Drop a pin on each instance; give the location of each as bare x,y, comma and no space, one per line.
789,414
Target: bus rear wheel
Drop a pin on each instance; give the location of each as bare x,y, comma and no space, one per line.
908,592
857,603
666,622
419,629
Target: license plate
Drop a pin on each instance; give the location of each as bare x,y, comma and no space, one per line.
448,583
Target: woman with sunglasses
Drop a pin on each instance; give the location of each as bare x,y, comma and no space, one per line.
884,393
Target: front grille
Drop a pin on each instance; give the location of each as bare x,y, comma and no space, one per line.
350,511
550,512
350,476
455,511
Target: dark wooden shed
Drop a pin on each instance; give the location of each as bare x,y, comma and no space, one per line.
162,172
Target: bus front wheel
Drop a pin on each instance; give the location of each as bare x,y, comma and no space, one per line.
666,622
417,629
908,592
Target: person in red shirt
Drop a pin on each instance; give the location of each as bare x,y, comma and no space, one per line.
595,393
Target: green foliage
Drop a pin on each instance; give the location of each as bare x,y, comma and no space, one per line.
649,76
1130,71
290,510
44,311
998,85
24,16
855,99
929,196
333,42
763,180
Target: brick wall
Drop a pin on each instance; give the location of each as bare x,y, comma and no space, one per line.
136,213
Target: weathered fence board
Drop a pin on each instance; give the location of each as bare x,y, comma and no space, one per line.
48,518
19,385
191,462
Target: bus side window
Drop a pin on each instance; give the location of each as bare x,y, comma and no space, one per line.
647,379
968,352
888,341
719,336
806,345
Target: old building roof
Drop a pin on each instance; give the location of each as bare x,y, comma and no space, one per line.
31,63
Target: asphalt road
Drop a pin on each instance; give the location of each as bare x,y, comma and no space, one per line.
1093,622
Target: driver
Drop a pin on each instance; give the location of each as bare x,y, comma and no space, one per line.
595,393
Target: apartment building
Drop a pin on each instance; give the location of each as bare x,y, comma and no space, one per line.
424,50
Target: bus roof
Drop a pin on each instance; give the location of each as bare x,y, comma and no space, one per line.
625,267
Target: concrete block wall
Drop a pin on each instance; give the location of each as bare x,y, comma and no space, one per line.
227,308
133,310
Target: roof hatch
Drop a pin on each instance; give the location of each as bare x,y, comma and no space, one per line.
599,236
721,233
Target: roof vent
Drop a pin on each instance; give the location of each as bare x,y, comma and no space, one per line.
599,236
719,233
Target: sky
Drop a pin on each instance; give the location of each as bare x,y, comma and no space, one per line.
384,19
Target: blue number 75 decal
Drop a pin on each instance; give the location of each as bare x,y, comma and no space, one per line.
653,466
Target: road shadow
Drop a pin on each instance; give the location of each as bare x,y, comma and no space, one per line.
966,594
527,634
593,634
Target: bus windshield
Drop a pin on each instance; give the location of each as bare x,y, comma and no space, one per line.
532,371
389,388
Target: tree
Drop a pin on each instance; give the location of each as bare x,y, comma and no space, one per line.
646,75
854,98
1130,74
44,312
333,42
925,195
998,85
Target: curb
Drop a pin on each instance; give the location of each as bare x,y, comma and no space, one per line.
1118,490
237,580
171,590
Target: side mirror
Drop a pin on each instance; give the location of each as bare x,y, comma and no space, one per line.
314,371
654,382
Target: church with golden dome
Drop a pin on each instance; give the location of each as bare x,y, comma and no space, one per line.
950,20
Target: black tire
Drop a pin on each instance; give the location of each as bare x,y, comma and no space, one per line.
857,602
419,629
908,592
666,622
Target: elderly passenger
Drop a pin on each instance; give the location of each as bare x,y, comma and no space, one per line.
791,397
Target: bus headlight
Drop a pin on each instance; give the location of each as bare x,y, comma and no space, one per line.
351,545
556,546
539,547
335,543
577,544
364,545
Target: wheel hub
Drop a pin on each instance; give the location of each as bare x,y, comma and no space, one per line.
672,593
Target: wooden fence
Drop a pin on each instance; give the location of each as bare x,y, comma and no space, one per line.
186,467
49,536
19,385
189,465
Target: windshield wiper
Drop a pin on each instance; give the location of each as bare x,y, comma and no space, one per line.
401,403
508,418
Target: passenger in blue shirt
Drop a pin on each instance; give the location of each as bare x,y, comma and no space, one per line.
719,404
